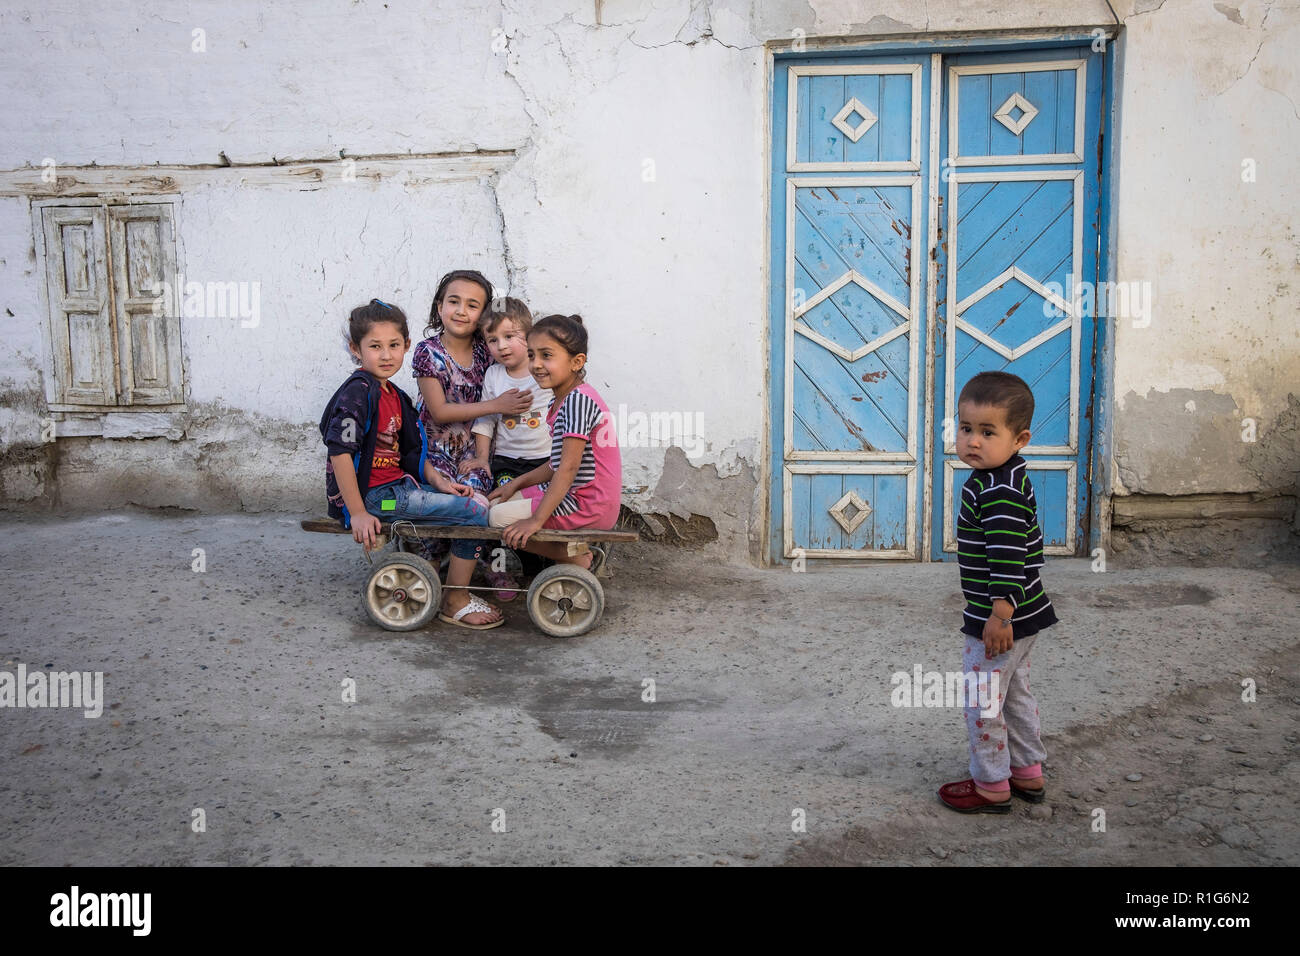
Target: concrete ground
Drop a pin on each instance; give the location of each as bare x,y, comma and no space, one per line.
223,694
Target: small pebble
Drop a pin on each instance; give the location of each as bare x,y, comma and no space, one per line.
1202,720
1131,803
1247,763
1235,750
1205,738
1040,811
1133,777
940,852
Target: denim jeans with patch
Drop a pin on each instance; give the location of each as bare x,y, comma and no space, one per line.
425,504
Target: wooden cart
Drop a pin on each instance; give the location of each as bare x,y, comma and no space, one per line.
403,592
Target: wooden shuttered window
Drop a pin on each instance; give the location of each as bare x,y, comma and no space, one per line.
105,267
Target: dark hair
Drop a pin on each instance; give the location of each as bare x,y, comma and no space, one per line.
1005,391
507,308
435,321
365,317
569,331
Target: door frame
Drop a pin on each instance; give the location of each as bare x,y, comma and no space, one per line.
1100,404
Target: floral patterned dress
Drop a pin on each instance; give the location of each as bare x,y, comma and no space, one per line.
452,443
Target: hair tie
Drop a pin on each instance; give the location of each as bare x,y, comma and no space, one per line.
381,302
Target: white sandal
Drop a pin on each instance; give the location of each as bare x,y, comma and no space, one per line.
474,605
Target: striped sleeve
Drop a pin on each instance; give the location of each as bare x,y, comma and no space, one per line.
578,416
1006,517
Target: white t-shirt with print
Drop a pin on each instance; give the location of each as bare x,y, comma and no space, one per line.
517,436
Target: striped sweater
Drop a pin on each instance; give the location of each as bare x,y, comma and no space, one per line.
1000,549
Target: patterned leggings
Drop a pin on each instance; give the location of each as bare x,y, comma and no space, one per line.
1005,743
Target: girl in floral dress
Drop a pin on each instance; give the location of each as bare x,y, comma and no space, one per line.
448,367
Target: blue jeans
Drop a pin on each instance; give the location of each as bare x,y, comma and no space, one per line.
426,505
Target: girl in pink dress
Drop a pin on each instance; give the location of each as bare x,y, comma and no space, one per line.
581,485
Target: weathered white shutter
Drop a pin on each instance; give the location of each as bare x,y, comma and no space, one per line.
143,248
76,268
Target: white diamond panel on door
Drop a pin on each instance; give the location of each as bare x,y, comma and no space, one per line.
850,511
854,118
1017,113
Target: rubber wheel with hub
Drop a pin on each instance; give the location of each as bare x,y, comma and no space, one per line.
403,593
565,600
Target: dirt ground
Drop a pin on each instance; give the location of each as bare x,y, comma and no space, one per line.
772,705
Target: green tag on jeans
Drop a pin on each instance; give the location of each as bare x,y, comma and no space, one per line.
388,504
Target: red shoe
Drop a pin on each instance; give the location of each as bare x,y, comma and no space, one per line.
963,798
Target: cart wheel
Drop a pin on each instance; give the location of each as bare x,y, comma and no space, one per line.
403,593
565,601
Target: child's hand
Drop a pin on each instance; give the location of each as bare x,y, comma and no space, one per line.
517,535
500,493
513,401
998,635
364,529
469,464
456,488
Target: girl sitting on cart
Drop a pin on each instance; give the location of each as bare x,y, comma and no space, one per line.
581,485
375,460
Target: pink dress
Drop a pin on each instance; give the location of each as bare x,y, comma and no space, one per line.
594,498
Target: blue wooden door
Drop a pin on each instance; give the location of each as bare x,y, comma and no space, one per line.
1020,198
850,163
901,266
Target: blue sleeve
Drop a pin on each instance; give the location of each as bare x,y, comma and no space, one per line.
347,423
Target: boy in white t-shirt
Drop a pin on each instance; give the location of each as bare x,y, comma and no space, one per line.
510,445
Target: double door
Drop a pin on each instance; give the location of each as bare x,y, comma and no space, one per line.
933,217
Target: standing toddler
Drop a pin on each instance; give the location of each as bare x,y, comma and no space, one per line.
999,551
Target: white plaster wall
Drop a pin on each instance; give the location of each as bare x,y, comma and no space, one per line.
1207,87
21,357
640,206
119,83
316,255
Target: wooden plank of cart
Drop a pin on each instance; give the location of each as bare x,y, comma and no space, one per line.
403,592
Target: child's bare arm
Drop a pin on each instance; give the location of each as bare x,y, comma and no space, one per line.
517,535
535,477
364,525
432,476
482,454
510,402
